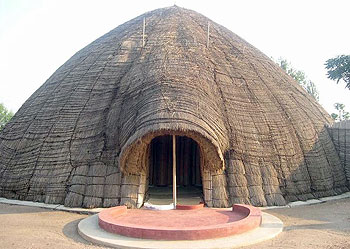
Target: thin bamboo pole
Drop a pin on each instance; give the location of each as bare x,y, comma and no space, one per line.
143,32
208,34
174,171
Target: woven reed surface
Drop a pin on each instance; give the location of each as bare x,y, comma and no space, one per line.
79,139
340,133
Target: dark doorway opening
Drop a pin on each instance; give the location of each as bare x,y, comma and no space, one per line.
188,174
187,162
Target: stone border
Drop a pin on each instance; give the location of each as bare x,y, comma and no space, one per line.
97,210
51,206
310,202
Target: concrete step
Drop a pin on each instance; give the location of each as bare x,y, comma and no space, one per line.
185,195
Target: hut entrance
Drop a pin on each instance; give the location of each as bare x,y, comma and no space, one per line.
188,174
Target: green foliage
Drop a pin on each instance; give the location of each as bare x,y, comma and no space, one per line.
338,68
346,115
5,116
334,116
300,77
342,114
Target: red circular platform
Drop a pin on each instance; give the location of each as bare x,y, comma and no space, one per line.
193,224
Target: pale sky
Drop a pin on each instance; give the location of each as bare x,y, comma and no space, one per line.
38,36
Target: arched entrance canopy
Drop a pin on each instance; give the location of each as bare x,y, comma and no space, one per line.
133,158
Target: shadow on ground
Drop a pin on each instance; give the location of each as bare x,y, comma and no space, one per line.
70,230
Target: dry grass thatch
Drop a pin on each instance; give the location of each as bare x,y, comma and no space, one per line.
83,137
340,133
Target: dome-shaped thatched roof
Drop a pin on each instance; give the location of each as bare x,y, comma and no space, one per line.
83,137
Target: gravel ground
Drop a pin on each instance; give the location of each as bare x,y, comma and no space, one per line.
321,226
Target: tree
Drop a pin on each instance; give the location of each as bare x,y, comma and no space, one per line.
338,68
5,116
342,114
300,77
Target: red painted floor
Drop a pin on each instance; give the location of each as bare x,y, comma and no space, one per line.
202,223
178,218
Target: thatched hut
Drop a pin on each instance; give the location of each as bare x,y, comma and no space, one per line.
96,133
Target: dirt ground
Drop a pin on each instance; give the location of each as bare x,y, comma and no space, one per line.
321,226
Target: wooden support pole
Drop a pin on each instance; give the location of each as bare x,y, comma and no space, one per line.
208,34
174,171
143,32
